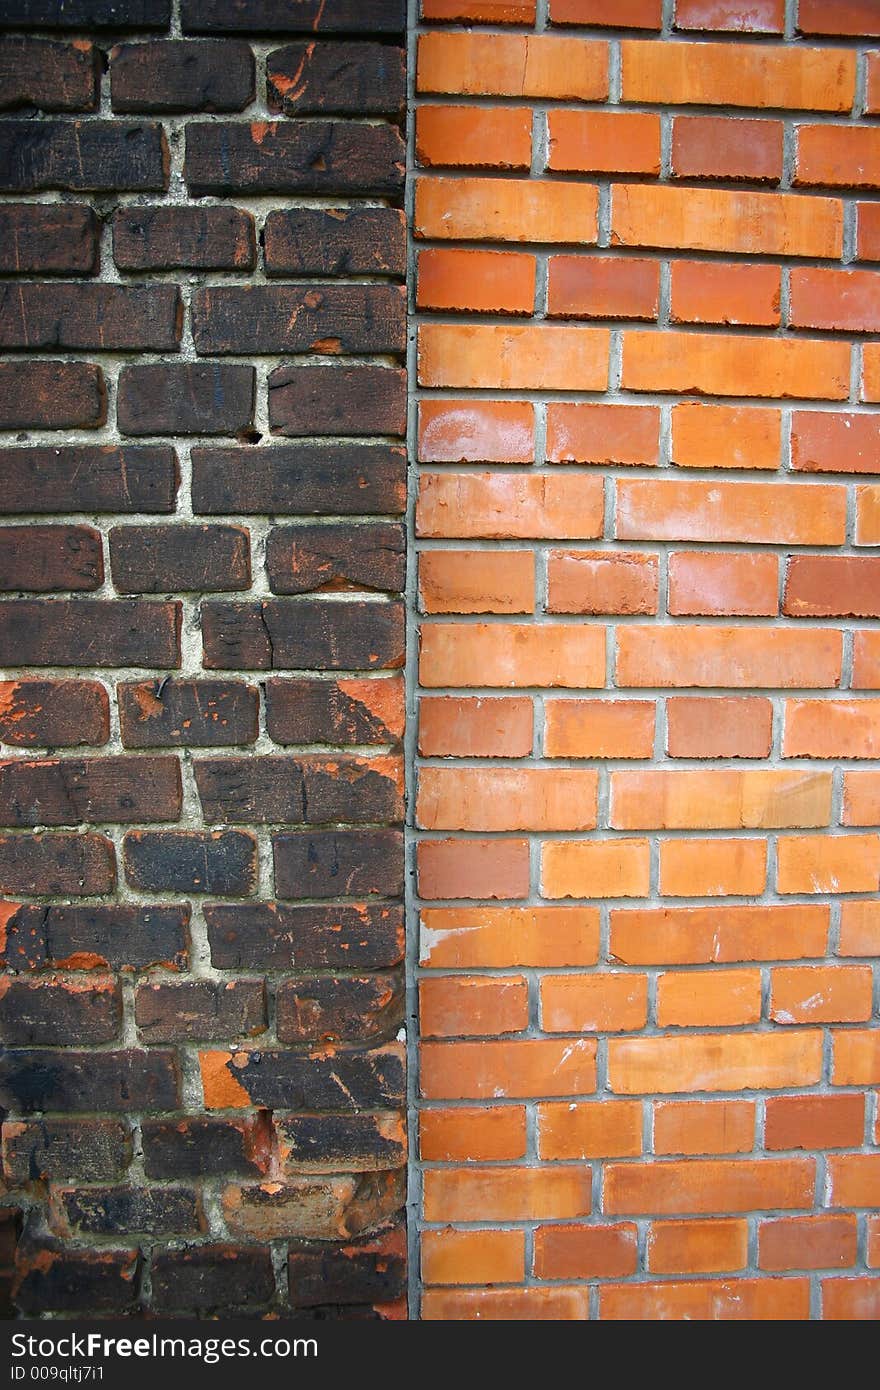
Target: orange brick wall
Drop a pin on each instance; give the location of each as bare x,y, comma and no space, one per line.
649,658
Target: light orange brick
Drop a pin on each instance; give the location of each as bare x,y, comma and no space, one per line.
543,937
851,1300
723,292
712,868
768,513
512,65
556,1303
474,137
719,999
596,868
616,142
472,1006
604,1003
837,156
697,1247
510,506
828,863
709,1300
476,431
492,282
859,929
721,74
714,219
516,357
458,726
474,581
737,657
586,1252
714,1062
584,432
506,1194
512,654
601,581
708,1185
712,364
717,935
726,585
719,799
516,1069
867,516
821,993
519,210
717,726
831,729
594,1129
704,1127
471,1133
506,798
856,1058
854,1180
473,1257
725,436
473,868
598,728
866,661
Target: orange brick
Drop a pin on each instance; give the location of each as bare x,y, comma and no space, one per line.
464,938
821,993
837,156
720,999
708,1185
714,219
479,431
717,147
718,727
737,657
723,74
586,1252
868,515
713,1300
616,142
825,441
871,369
513,654
510,505
873,1255
714,1062
724,585
475,137
598,728
828,863
719,799
705,292
473,1257
481,11
752,17
603,287
507,798
626,14
472,1006
856,17
597,1129
517,1069
612,1003
717,935
601,581
844,300
473,868
856,1058
760,513
697,1247
506,1194
814,1122
851,1300
474,581
712,869
476,281
556,1304
596,868
704,1127
831,729
807,1242
458,727
715,365
507,210
512,65
859,929
543,356
868,237
582,432
866,661
854,1180
725,436
487,1132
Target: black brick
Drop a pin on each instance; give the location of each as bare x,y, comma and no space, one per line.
309,318
68,1080
275,936
193,714
339,1008
49,1277
318,635
48,76
89,632
95,1150
342,241
319,157
59,1013
51,395
191,861
293,16
197,1146
341,1143
181,75
345,711
299,480
212,1278
68,791
99,318
287,1079
200,1010
300,559
88,478
338,863
337,79
118,937
46,558
107,1211
48,239
51,865
185,398
193,238
311,790
53,714
83,156
371,1270
176,559
351,400
85,14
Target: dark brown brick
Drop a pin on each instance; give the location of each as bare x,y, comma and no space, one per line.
275,936
353,400
85,14
340,241
370,1270
317,1206
318,635
69,791
51,395
48,76
336,711
257,319
200,1010
286,1079
212,1279
300,559
317,157
200,1146
189,714
89,632
339,1008
338,863
301,17
341,1143
51,865
88,478
185,398
118,937
53,714
47,558
191,861
297,480
337,79
181,75
312,790
48,1012
100,318
68,1080
94,1150
192,238
109,1211
82,156
50,1276
165,559
48,239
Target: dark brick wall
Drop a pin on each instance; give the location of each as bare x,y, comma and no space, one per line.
202,485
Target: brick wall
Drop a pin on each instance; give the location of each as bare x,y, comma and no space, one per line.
202,483
648,851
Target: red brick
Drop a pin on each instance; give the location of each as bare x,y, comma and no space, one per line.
835,442
831,729
602,287
867,516
627,14
583,432
866,661
718,727
599,581
477,431
481,11
848,17
837,156
868,235
832,586
725,292
807,1242
843,300
471,581
618,142
513,1070
745,585
853,1180
474,136
472,1006
586,1252
814,1122
697,1247
718,147
555,1304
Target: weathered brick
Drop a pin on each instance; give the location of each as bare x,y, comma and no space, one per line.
79,14
191,861
189,238
286,1079
156,559
67,632
82,156
313,157
102,318
69,1080
181,75
57,714
81,865
69,791
196,1146
48,239
308,17
337,79
121,937
581,432
189,714
297,479
311,790
300,559
200,1010
48,76
185,398
109,1211
88,478
338,241
372,1270
321,635
49,1276
470,581
318,1207
341,1143
46,558
278,936
602,287
339,1008
335,711
49,1012
332,319
91,1150
352,400
211,1278
51,395
332,863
